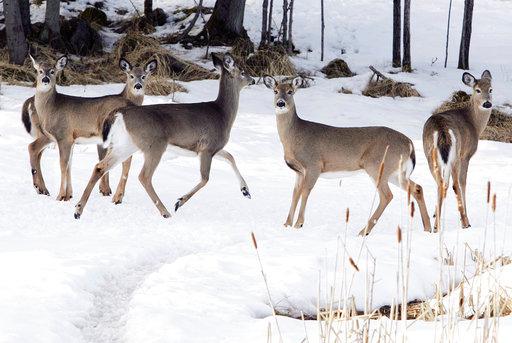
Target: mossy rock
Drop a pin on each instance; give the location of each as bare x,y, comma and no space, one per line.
337,68
93,15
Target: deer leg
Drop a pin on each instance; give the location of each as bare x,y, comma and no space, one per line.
417,192
226,156
295,199
69,187
35,151
460,201
385,197
442,187
205,162
310,178
151,161
118,197
463,178
104,183
65,156
112,158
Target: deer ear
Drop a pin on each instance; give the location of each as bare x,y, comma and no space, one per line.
468,79
217,60
34,63
486,75
297,82
61,63
125,65
269,82
150,66
229,62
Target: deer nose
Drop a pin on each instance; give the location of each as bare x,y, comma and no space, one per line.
280,103
253,82
487,104
138,86
46,79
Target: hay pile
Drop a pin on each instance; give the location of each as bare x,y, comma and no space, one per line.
139,49
270,60
499,127
160,86
388,87
337,68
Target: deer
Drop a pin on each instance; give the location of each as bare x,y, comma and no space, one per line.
50,116
450,139
195,129
314,150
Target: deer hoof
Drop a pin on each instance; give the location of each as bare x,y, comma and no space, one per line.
106,192
178,204
77,215
166,215
245,192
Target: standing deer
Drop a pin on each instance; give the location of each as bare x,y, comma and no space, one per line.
67,120
314,150
450,139
199,129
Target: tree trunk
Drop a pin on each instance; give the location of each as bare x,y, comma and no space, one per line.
148,8
52,23
466,35
322,30
397,31
264,24
269,30
448,34
284,23
406,62
290,25
25,16
226,23
16,40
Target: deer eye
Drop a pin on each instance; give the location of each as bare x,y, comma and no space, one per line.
275,92
40,72
290,92
131,76
490,90
52,71
478,91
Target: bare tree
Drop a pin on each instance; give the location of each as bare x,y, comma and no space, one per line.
16,40
397,31
448,33
322,30
226,23
52,22
290,25
269,30
148,8
25,16
406,61
465,39
284,23
264,24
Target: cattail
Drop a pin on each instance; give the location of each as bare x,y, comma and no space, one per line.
399,234
381,166
494,202
353,263
488,191
347,215
412,210
254,241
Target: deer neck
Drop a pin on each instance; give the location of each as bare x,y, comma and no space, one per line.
227,99
285,122
44,98
135,98
479,117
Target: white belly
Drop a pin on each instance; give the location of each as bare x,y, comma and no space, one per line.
340,174
177,151
90,140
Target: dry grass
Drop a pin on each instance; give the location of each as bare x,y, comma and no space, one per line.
271,60
161,86
499,127
337,68
388,87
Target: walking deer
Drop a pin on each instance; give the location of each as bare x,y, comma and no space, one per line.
67,120
199,129
450,139
315,150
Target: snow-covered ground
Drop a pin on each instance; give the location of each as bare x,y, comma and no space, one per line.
122,273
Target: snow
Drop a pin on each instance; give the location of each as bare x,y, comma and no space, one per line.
122,273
